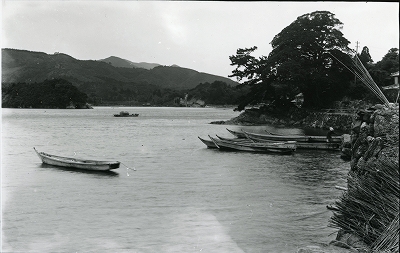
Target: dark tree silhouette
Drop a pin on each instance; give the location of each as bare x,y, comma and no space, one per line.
306,57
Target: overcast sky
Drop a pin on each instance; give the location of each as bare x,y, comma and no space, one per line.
196,35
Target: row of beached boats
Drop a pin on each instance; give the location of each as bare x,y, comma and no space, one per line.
271,143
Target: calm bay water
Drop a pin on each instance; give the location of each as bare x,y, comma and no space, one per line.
182,197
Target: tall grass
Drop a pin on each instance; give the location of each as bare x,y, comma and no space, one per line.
371,203
389,240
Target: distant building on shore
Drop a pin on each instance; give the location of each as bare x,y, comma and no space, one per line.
394,87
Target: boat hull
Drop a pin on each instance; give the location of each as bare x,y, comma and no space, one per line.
237,134
282,148
208,143
298,138
309,138
123,116
68,162
304,145
236,140
320,145
211,144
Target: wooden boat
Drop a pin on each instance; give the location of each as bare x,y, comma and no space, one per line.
319,145
298,138
246,139
302,145
281,148
209,143
239,140
126,114
77,163
237,134
307,138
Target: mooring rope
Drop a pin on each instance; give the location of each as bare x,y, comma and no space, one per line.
128,167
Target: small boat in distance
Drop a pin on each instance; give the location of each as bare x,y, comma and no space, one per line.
126,114
76,163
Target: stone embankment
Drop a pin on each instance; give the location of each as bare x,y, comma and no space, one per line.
367,214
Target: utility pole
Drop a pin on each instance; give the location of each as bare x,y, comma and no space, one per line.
357,47
355,77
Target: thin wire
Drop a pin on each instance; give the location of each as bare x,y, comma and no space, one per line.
370,81
364,76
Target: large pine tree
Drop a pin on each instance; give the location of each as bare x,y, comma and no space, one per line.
307,56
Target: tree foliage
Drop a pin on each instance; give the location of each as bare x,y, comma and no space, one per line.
306,57
217,93
365,57
382,70
57,93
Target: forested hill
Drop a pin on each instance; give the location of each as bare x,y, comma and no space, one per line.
29,67
119,62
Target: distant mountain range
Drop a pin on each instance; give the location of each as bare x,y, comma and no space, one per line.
27,66
122,63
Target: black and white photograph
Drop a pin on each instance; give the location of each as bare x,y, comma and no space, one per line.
199,126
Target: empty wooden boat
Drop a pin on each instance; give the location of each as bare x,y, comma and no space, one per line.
211,144
208,143
311,138
282,148
298,138
237,134
76,163
240,140
319,145
302,145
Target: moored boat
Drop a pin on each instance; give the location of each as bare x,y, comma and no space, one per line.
314,138
126,114
76,163
301,145
237,134
319,145
209,143
282,148
298,138
239,140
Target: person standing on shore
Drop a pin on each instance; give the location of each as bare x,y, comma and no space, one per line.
329,134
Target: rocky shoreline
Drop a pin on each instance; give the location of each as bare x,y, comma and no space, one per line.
293,118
